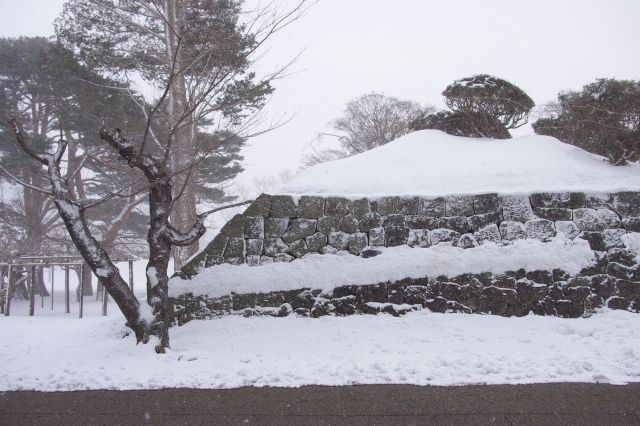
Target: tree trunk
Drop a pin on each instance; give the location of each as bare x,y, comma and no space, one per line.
183,213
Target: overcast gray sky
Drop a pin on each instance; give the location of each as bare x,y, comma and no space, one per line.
412,49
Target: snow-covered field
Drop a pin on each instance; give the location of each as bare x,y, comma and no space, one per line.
432,163
64,353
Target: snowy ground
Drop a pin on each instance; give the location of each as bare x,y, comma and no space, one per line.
432,163
66,353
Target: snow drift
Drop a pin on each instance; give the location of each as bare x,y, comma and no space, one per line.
432,163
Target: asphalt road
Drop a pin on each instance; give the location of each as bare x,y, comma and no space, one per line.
541,404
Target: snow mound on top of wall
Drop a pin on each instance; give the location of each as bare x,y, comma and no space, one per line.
432,163
326,272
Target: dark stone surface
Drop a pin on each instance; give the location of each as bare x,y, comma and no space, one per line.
343,306
274,227
486,203
434,207
570,200
233,228
395,293
376,237
628,289
253,227
372,293
316,241
345,290
596,240
360,208
260,207
407,206
459,205
348,224
254,247
367,253
396,235
627,204
479,221
553,213
274,246
299,229
631,224
421,222
370,221
339,240
395,220
442,235
357,243
457,223
327,224
387,205
619,303
298,248
588,220
336,206
310,207
569,309
234,251
283,206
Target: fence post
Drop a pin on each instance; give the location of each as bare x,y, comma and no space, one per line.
105,299
53,280
66,289
3,292
31,275
7,309
131,275
81,290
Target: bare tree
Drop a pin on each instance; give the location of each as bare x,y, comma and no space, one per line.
373,120
198,53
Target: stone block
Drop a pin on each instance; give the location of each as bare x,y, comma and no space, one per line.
553,213
253,227
387,205
609,218
489,233
441,235
569,309
516,208
316,241
588,220
376,237
618,303
459,205
328,250
511,231
467,241
569,229
357,243
628,289
569,200
370,221
578,293
394,220
421,222
298,248
596,240
336,206
253,260
254,247
328,224
339,240
261,206
349,224
217,245
235,249
479,221
360,208
599,201
457,223
372,293
416,295
234,227
310,207
434,207
407,206
419,238
627,204
396,235
343,306
283,206
540,229
275,246
613,238
274,227
282,258
486,203
299,229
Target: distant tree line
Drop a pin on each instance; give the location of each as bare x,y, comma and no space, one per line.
603,118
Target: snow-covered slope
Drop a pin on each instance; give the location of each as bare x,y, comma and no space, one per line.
432,163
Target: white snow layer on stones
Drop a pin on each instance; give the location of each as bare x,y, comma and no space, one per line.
326,272
432,163
420,348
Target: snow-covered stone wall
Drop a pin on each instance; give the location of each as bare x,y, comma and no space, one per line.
279,228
